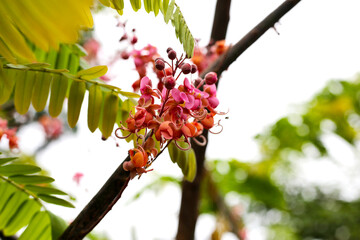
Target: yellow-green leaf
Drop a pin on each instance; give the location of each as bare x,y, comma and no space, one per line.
13,169
76,98
92,73
55,200
109,114
41,90
129,94
94,107
22,217
59,88
169,11
23,90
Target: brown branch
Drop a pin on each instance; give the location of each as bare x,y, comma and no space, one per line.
99,206
251,37
191,191
221,21
190,194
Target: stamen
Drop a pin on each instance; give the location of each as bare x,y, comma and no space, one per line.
203,143
181,148
121,137
217,125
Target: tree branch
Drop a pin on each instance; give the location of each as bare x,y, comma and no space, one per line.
251,37
221,21
191,191
99,206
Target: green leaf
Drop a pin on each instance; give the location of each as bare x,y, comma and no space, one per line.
135,4
7,83
11,207
165,5
156,6
55,200
94,106
46,190
37,65
58,225
191,172
129,94
93,72
23,90
147,6
109,114
32,179
41,90
6,191
22,217
63,57
38,227
6,160
118,4
184,159
13,169
59,88
74,63
76,97
169,11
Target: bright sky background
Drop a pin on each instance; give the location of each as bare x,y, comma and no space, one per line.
318,41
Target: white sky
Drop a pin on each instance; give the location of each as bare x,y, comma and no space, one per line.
318,41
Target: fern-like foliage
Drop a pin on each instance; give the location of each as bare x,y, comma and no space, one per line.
33,83
45,23
170,11
21,196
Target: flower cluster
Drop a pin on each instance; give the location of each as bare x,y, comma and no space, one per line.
10,134
180,110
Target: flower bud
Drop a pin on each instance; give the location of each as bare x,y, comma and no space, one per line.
159,64
124,55
197,81
210,78
168,49
186,68
193,68
172,54
134,40
169,82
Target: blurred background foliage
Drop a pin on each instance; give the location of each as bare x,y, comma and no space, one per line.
270,189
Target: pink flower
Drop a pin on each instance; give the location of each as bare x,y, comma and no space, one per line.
211,90
77,177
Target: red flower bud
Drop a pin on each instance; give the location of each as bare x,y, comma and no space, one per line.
172,54
210,78
169,82
186,68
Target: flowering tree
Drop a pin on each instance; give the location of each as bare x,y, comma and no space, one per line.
176,115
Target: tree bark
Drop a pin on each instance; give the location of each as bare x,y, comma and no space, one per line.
221,21
191,191
99,206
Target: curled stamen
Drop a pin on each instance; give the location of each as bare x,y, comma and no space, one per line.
139,136
204,141
121,137
221,113
217,125
199,115
181,148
